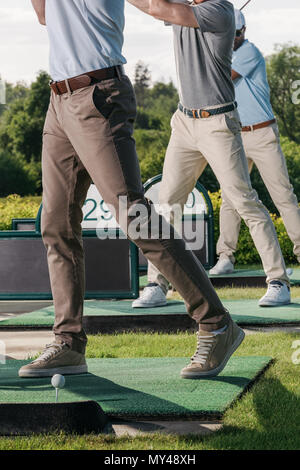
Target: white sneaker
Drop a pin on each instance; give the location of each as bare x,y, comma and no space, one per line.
289,272
223,266
277,294
152,296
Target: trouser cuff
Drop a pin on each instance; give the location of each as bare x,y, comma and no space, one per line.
231,258
224,320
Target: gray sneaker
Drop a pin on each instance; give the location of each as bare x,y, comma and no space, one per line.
57,358
213,352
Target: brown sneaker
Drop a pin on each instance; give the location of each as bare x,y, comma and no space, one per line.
57,358
213,352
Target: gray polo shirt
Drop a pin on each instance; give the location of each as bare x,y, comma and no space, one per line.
203,56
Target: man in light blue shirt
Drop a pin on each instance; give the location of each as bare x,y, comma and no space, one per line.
88,136
252,90
262,147
79,49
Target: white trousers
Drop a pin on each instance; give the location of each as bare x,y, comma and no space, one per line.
262,148
217,141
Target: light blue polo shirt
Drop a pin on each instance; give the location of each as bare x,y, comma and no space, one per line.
252,89
84,35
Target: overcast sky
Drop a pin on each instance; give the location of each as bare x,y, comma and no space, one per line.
24,43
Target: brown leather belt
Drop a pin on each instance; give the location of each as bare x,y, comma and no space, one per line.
87,79
258,126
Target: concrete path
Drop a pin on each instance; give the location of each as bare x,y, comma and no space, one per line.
139,428
11,308
25,344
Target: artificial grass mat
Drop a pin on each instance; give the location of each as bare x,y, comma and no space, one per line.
244,312
241,272
139,387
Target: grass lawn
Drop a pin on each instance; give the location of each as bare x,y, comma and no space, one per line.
237,293
267,417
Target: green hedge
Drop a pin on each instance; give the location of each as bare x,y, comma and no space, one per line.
15,206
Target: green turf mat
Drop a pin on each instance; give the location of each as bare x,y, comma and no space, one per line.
236,274
142,387
245,312
114,308
249,312
241,272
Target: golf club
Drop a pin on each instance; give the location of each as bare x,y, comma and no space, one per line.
244,6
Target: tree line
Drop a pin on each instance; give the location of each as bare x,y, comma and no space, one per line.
22,120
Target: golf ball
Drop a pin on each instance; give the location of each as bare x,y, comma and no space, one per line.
58,381
289,271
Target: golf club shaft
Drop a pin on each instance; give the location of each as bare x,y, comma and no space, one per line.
244,6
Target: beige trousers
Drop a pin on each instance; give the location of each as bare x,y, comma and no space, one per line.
217,141
262,148
88,136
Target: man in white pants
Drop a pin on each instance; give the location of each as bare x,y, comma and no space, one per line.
262,146
206,129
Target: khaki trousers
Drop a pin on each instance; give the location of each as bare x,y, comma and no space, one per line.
217,141
88,136
262,148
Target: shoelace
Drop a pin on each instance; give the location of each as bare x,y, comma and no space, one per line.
204,345
147,292
275,286
49,351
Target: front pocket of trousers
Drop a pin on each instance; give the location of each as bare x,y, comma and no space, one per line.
275,133
232,124
173,119
115,105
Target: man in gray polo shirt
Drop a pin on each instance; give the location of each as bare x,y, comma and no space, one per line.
206,129
88,136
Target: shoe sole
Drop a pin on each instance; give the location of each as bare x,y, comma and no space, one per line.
217,370
66,370
221,274
274,304
161,304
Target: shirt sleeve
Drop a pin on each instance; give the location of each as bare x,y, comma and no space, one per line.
245,60
185,2
213,17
